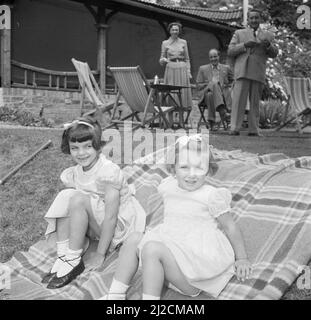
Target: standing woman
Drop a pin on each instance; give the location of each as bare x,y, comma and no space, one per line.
175,58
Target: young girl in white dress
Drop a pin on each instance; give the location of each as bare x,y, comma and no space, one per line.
198,247
97,202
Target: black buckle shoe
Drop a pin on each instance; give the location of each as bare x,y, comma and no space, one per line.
56,282
47,277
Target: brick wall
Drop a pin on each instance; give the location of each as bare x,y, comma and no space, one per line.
61,106
58,106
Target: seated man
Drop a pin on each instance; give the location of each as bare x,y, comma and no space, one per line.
213,82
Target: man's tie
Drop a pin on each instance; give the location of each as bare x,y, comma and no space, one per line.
254,33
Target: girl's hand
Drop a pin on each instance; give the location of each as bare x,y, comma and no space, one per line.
243,269
96,260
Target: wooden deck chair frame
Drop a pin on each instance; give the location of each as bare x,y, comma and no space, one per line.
134,87
90,89
298,99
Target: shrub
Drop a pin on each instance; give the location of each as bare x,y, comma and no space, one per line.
271,113
22,117
292,60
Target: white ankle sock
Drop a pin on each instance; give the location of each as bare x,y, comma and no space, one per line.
150,297
117,290
73,257
62,247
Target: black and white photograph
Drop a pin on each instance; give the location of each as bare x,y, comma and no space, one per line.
155,150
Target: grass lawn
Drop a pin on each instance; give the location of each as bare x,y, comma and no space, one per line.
26,196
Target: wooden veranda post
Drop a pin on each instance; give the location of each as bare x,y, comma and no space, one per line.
101,47
245,12
5,32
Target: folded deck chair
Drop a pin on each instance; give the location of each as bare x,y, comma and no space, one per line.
90,89
298,90
136,92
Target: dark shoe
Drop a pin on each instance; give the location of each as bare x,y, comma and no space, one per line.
47,277
56,282
225,120
234,133
211,125
254,134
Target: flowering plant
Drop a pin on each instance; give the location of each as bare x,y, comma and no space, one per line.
291,61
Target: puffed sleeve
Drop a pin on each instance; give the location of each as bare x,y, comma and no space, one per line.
219,202
67,177
112,175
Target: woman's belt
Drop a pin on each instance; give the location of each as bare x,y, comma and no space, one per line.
177,60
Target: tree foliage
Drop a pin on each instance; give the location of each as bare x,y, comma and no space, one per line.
284,13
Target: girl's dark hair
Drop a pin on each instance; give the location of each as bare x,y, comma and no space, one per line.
80,132
212,167
178,24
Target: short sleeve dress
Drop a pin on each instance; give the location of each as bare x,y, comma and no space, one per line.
177,69
131,216
190,231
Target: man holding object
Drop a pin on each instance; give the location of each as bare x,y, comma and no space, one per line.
250,48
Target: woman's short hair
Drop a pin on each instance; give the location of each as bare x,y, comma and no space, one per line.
169,27
81,130
212,168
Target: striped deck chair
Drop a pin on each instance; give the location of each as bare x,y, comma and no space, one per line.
298,90
136,92
90,89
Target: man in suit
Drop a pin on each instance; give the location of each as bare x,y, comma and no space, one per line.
213,82
250,48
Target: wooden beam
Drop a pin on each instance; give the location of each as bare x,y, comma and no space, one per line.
110,15
101,47
91,9
164,27
5,45
161,13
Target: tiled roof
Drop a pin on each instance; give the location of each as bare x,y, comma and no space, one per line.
224,16
218,15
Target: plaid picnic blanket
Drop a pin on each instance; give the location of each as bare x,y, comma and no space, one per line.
271,204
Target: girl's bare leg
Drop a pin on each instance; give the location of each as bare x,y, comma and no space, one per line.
126,268
62,228
159,264
128,259
79,212
70,265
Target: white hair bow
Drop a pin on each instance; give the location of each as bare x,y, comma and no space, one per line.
76,122
182,142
